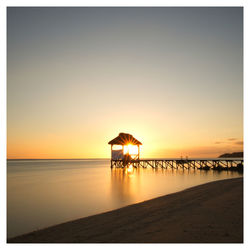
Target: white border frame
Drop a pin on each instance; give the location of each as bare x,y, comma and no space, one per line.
49,3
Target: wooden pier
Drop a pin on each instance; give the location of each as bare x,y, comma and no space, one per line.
202,164
121,158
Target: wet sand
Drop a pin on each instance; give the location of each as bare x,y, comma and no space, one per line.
208,213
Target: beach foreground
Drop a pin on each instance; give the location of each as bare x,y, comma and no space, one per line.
208,213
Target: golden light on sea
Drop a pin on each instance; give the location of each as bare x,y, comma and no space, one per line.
129,169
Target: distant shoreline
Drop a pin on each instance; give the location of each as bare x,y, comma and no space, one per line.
208,213
232,155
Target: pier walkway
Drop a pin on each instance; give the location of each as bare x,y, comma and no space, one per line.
203,164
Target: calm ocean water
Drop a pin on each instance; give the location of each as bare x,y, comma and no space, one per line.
41,193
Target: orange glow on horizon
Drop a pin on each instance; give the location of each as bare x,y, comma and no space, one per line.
67,143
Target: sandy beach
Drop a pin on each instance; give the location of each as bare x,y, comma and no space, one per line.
209,213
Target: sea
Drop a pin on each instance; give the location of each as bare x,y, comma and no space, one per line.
42,193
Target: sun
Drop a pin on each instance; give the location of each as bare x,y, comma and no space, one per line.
130,149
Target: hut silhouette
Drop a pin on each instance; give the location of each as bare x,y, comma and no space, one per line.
124,140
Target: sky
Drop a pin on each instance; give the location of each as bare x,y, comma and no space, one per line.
77,77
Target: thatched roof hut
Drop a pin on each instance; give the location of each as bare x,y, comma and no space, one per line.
126,141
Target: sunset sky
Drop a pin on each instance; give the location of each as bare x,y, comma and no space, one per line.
77,77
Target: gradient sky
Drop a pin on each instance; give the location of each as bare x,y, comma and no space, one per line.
76,77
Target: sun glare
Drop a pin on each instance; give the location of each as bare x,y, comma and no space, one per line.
130,149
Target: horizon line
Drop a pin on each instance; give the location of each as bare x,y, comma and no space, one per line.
56,158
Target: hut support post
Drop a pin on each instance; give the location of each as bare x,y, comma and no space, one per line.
111,156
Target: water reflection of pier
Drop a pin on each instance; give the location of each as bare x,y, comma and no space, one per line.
124,182
202,164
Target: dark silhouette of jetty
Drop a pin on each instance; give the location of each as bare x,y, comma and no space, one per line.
121,159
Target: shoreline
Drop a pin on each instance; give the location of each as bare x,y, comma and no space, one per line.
207,213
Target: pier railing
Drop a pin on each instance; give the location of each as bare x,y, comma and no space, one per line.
203,164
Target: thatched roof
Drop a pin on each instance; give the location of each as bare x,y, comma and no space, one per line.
124,139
